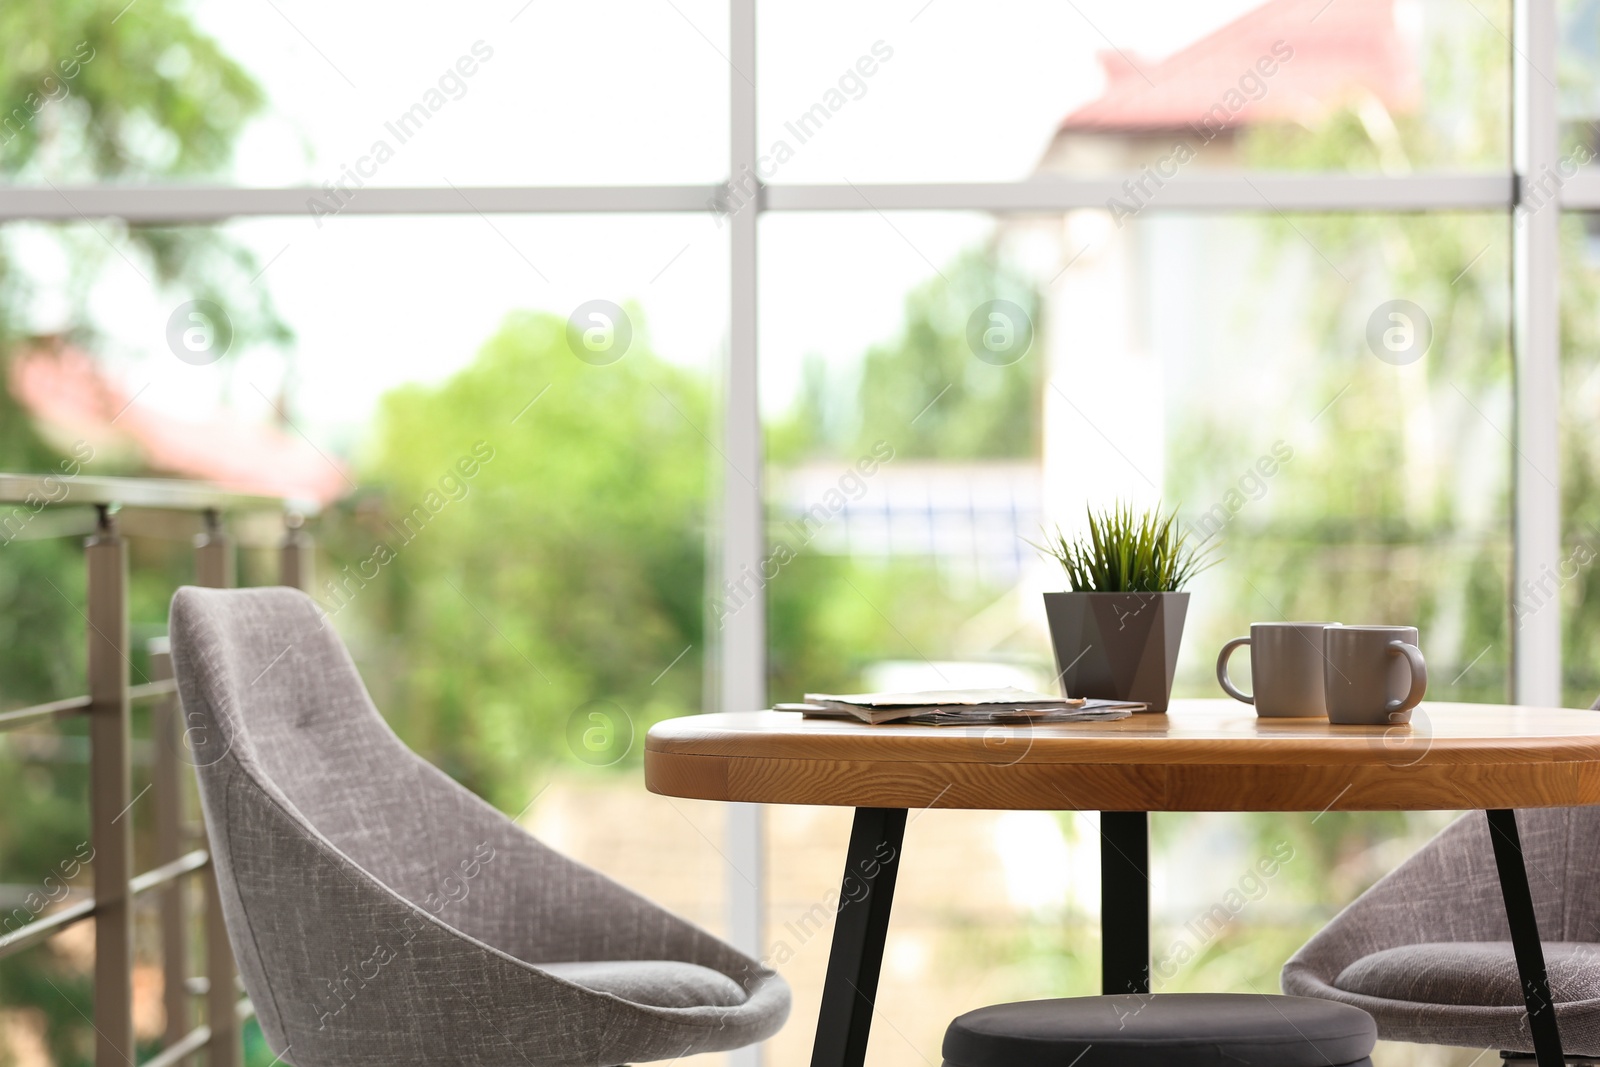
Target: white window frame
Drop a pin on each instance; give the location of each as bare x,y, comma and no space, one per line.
741,658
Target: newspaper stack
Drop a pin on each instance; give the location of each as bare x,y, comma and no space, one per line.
961,707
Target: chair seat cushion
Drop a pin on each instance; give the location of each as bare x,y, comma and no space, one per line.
1164,1030
658,983
1471,973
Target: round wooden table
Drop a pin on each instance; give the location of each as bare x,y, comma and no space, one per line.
1204,755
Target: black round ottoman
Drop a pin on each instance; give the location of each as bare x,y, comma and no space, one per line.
1163,1030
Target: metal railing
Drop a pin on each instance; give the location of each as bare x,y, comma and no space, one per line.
97,506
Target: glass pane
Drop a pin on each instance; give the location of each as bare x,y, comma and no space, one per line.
853,93
1578,73
513,535
292,93
1324,398
394,348
1573,586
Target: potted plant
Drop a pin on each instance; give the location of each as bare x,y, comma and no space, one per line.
1116,633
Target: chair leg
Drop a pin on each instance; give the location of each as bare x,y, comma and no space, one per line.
1525,937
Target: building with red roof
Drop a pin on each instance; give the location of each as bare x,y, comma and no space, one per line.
72,399
1287,61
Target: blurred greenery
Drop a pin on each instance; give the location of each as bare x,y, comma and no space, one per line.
1397,503
923,390
569,569
566,572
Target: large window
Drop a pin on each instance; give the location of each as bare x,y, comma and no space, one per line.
793,226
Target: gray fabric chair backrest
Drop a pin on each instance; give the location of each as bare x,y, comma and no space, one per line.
379,912
1449,890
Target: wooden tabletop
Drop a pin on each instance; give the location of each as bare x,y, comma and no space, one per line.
1204,755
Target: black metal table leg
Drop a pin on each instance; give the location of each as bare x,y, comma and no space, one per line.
1124,902
865,897
1525,937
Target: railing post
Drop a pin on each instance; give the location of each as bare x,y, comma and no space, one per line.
213,555
110,825
294,557
224,1048
167,797
214,567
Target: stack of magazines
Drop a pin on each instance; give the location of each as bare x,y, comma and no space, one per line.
961,707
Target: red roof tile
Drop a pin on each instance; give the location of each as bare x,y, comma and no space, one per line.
67,393
1340,48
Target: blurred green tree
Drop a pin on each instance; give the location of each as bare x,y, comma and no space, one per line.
568,569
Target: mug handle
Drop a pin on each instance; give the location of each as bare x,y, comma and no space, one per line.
1222,671
1419,678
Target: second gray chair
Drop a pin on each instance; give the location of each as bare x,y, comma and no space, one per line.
381,914
1427,950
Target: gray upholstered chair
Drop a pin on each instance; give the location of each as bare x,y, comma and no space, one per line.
1427,950
381,914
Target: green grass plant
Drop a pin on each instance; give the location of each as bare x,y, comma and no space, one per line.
1128,552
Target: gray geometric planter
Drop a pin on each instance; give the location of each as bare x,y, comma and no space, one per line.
1117,646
